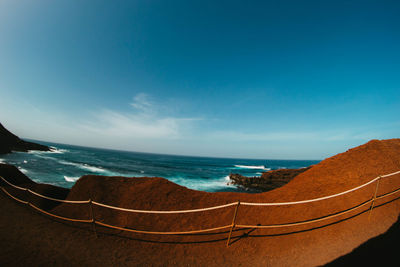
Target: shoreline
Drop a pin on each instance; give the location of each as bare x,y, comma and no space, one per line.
65,165
284,247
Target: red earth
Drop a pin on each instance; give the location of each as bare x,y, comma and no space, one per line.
28,237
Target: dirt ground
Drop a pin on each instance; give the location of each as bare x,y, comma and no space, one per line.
28,237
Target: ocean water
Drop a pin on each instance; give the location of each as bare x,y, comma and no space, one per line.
66,163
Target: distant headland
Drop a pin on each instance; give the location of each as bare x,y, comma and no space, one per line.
9,142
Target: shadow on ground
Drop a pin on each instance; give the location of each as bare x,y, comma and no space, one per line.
382,250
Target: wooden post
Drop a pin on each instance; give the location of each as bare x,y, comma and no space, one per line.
92,216
233,224
27,195
374,197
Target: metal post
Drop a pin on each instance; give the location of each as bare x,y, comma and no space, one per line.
233,224
92,216
374,197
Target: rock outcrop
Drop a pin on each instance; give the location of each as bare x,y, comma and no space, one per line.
10,142
267,181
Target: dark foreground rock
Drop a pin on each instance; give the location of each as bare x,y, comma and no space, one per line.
14,176
10,142
267,181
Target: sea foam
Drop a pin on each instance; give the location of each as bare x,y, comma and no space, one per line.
261,167
71,179
57,150
204,185
25,171
83,166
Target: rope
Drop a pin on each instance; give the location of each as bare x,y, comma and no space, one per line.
305,222
17,199
49,198
60,200
204,209
162,233
387,194
318,199
210,208
59,217
13,185
164,211
390,174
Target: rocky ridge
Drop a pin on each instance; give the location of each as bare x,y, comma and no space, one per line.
10,142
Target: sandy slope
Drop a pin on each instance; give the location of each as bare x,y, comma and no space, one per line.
298,246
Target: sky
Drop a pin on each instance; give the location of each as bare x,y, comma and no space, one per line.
247,79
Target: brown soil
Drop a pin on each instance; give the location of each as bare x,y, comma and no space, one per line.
316,244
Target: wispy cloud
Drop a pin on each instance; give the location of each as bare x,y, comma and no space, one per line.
298,136
143,121
143,104
270,136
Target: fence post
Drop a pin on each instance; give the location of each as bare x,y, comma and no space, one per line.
92,216
233,224
27,195
374,197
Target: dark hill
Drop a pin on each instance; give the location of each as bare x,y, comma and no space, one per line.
14,176
10,142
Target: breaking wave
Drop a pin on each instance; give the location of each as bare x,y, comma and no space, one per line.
84,166
260,167
71,179
25,171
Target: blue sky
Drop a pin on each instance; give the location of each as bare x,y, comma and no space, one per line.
258,79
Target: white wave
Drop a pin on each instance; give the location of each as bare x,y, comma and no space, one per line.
92,168
71,179
39,181
44,157
36,152
25,161
53,149
2,161
83,166
203,185
25,171
260,167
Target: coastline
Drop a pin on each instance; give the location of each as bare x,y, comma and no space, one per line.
10,142
299,245
65,164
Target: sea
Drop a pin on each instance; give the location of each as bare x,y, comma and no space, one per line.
65,164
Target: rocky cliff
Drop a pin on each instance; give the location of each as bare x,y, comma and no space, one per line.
10,142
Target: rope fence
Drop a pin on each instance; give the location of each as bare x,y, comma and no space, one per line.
164,211
232,226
